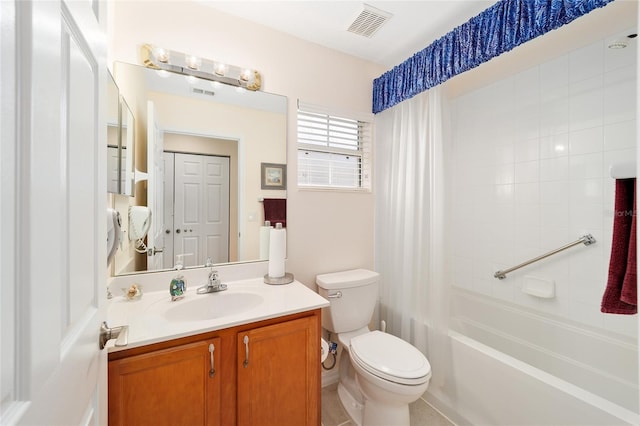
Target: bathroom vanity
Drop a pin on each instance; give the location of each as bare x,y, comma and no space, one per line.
248,355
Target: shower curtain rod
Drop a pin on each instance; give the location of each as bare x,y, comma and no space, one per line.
585,239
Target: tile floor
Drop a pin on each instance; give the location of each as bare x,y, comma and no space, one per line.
422,414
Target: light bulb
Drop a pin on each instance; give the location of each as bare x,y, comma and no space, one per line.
245,75
193,62
220,69
161,54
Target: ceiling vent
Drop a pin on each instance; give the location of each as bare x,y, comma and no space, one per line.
369,21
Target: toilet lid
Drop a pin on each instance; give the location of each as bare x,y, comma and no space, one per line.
390,358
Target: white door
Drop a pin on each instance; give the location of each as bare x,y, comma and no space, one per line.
201,208
155,191
53,259
169,259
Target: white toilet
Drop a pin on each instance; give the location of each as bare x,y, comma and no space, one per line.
382,374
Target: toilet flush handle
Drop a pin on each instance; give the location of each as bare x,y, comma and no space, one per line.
336,295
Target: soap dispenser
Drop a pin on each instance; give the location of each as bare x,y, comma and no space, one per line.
178,285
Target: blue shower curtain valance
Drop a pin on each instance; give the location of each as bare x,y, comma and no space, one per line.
498,29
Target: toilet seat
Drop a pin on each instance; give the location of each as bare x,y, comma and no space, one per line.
390,358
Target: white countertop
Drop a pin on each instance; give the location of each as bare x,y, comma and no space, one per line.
155,318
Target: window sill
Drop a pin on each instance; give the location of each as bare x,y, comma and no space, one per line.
333,189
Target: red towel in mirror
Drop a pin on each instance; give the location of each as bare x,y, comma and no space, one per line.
275,211
621,293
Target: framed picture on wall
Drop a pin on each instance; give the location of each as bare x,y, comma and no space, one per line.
274,176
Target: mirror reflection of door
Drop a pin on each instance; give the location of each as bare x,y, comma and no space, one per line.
197,189
155,192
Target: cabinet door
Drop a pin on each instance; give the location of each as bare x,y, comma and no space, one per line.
279,374
174,386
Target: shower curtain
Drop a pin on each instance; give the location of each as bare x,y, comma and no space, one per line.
410,224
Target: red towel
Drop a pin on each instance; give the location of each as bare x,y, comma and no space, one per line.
621,294
275,211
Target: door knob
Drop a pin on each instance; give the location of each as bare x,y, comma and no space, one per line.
153,251
121,334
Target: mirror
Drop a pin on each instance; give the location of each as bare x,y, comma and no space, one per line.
113,136
127,149
200,145
120,142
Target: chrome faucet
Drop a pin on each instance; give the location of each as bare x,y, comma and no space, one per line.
214,280
214,284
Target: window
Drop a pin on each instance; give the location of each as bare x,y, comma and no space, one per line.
334,150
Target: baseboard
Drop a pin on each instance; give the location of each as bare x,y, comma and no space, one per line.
330,377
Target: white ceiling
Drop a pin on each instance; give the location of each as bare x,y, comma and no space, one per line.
413,26
417,23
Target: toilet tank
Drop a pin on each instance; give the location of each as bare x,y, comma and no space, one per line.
352,295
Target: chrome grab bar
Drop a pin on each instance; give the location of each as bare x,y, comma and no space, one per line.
585,239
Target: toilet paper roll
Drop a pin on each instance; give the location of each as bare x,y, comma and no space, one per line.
277,241
265,231
324,350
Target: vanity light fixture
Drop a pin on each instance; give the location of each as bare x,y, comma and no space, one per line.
181,63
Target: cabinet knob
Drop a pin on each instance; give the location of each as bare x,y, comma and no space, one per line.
246,348
212,348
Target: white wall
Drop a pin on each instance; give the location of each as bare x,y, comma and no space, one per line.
327,231
531,173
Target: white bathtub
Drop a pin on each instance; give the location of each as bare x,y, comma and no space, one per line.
508,366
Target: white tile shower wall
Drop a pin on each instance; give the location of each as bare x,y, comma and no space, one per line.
531,173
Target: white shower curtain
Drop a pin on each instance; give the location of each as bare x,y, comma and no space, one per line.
410,224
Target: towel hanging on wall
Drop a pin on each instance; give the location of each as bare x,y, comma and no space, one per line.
275,211
620,296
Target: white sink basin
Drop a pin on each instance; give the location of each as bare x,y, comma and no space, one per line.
155,318
214,305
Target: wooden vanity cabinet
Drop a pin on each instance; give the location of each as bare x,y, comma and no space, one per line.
169,383
278,378
173,386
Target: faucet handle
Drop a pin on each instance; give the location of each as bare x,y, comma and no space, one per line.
208,263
